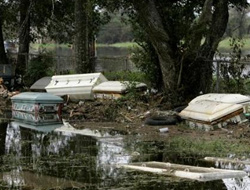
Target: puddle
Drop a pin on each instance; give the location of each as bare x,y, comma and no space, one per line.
65,158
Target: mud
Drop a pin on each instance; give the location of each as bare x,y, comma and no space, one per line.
128,116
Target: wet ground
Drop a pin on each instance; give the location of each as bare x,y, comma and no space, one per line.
84,152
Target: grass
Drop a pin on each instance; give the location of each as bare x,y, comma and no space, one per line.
119,45
49,46
204,147
225,44
125,76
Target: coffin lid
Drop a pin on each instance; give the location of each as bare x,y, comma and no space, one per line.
209,111
75,80
116,86
36,97
225,98
41,83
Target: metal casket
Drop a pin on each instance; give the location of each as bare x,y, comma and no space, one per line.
34,102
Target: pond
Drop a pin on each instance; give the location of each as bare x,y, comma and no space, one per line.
61,157
107,59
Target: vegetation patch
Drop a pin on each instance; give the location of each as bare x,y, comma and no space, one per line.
190,147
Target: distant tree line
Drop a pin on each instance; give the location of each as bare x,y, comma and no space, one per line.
118,29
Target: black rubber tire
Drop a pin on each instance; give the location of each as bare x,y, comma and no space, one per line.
180,108
161,120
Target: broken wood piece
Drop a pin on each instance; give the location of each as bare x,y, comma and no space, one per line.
185,171
227,160
127,118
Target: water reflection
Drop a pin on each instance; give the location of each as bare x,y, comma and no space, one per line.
111,152
234,183
60,152
62,157
237,184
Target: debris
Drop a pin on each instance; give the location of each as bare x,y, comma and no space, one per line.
227,160
127,118
185,171
163,130
216,110
161,120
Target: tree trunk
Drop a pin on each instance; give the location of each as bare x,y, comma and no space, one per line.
3,131
24,36
208,49
149,16
3,57
82,56
186,74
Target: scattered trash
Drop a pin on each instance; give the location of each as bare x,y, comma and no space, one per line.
228,160
163,130
4,92
162,120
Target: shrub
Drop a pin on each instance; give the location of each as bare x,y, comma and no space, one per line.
39,66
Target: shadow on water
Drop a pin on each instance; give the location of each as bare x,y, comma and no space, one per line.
65,158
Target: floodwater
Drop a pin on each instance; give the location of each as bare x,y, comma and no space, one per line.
107,59
61,157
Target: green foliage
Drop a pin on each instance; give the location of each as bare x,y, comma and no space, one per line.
126,76
39,67
132,78
231,73
203,147
115,31
119,45
146,61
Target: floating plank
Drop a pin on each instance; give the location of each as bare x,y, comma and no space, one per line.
186,171
227,160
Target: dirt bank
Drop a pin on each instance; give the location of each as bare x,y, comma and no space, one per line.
129,115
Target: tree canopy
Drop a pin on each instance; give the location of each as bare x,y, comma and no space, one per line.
180,37
184,36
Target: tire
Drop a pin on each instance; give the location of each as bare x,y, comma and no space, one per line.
180,108
166,120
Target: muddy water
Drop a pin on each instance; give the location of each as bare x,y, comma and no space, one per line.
49,157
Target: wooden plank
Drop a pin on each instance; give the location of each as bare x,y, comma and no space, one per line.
185,171
227,160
